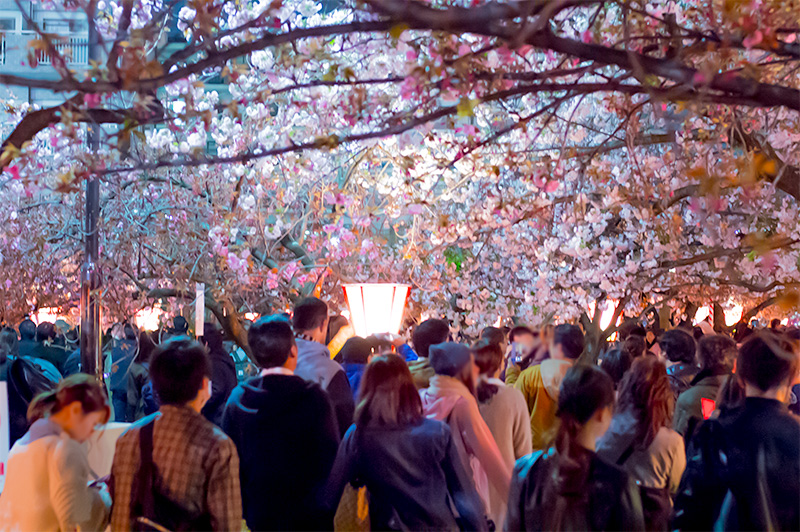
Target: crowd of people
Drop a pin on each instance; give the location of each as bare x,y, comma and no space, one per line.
681,429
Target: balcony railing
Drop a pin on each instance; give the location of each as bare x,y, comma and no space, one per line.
74,50
2,49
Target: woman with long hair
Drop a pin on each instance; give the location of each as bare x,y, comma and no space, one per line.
569,487
409,464
47,480
641,439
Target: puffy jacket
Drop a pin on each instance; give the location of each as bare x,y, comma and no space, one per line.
606,498
723,462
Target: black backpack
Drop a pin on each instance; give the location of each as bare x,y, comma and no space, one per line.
656,502
25,381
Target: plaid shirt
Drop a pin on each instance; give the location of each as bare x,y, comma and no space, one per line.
197,466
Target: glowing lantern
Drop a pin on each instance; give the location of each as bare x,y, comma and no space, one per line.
148,319
733,314
376,307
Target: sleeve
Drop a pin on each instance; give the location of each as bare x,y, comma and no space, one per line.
461,487
522,427
513,373
515,500
341,473
407,353
681,418
480,440
678,464
342,398
120,484
68,470
630,508
224,498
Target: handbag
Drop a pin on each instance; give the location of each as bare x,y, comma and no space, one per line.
656,502
153,510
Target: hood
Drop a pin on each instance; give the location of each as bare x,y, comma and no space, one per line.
263,394
307,349
553,371
41,428
441,397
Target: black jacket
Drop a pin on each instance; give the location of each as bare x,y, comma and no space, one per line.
723,456
223,381
287,437
605,498
412,473
680,377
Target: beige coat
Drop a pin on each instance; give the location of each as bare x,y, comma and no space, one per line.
46,486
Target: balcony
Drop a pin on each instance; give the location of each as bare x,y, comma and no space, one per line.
14,54
74,50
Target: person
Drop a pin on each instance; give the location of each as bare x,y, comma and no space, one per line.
27,338
223,373
617,362
641,440
286,433
540,384
45,350
356,354
635,345
504,410
430,332
196,463
451,398
775,325
314,364
410,465
717,354
122,354
569,487
139,375
679,347
526,351
496,336
47,482
743,467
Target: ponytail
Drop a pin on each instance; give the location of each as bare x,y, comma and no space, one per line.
82,388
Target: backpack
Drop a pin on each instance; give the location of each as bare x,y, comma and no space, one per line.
25,381
656,502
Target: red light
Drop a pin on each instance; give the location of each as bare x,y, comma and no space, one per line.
708,406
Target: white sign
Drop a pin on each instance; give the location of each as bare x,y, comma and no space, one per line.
200,310
4,436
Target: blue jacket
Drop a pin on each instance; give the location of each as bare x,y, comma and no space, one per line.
354,373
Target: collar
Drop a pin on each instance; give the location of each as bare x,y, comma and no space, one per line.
302,336
280,370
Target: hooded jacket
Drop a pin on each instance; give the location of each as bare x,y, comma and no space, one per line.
448,399
314,364
287,437
46,484
539,385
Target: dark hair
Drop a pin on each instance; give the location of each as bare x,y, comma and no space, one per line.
45,331
489,358
271,342
775,323
177,370
731,394
179,325
616,362
494,335
429,332
716,353
630,328
741,331
646,393
27,330
356,350
388,394
584,390
678,346
519,329
309,314
767,360
697,333
335,324
570,338
129,331
635,345
79,387
146,347
9,345
213,338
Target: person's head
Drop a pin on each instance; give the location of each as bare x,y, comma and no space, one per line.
146,347
488,357
388,396
45,331
716,353
78,405
357,350
585,402
496,336
768,365
181,373
775,324
645,392
272,343
635,345
27,330
213,338
335,324
677,346
428,333
454,360
616,362
630,328
179,325
567,343
523,336
9,345
129,331
310,318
